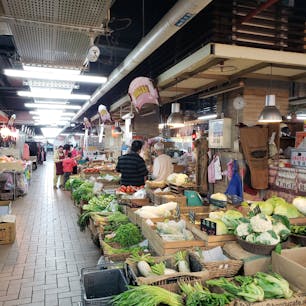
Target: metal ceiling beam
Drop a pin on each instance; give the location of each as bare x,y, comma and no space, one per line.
80,28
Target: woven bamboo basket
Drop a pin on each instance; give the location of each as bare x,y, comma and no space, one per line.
225,268
258,249
298,239
169,282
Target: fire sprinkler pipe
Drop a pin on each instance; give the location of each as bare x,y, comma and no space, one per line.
181,13
261,8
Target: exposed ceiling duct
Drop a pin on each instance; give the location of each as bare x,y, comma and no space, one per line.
48,33
182,12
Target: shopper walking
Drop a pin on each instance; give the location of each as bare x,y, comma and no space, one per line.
68,164
59,155
132,166
162,165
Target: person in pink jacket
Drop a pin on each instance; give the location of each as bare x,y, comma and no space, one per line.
68,164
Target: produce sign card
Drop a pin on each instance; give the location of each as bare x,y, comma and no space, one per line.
208,227
192,217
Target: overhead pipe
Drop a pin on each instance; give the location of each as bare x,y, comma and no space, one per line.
181,13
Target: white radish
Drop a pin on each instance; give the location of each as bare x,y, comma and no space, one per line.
170,271
144,268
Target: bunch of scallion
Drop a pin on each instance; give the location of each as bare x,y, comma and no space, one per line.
146,295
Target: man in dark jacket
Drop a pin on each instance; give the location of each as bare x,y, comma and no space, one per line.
132,166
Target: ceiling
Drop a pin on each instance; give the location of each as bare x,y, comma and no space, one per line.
205,55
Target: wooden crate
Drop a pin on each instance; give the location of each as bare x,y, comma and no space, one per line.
161,247
212,240
165,197
137,220
298,221
130,212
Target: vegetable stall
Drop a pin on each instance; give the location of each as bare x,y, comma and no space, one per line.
176,253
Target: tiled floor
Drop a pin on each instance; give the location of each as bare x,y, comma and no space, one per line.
43,266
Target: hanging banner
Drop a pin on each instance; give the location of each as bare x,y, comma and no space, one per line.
103,113
142,91
87,126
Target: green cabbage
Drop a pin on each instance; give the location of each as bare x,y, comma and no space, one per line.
265,207
286,209
231,218
276,201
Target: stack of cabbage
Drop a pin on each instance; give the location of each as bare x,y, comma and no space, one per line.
278,206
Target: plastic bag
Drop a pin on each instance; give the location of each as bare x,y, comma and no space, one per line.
97,188
235,185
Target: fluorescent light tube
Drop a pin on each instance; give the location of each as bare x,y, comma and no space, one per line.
51,106
207,117
57,76
50,95
50,102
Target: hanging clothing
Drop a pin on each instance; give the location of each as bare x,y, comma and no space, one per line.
26,152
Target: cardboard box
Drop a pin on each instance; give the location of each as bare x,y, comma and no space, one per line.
7,229
252,263
294,300
291,264
5,208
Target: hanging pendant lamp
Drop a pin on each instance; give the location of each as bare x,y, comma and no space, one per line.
270,112
175,119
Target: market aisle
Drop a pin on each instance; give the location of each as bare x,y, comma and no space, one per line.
43,266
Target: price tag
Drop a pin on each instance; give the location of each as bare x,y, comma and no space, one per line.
256,210
178,212
208,227
192,217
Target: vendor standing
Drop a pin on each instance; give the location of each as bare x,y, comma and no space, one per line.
162,165
132,166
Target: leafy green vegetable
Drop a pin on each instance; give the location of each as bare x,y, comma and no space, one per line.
248,290
83,192
196,295
298,229
265,207
230,218
286,209
274,285
146,295
159,268
128,235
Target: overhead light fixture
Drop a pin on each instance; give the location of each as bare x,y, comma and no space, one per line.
270,112
50,95
175,119
56,75
116,129
50,102
51,106
50,132
208,117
